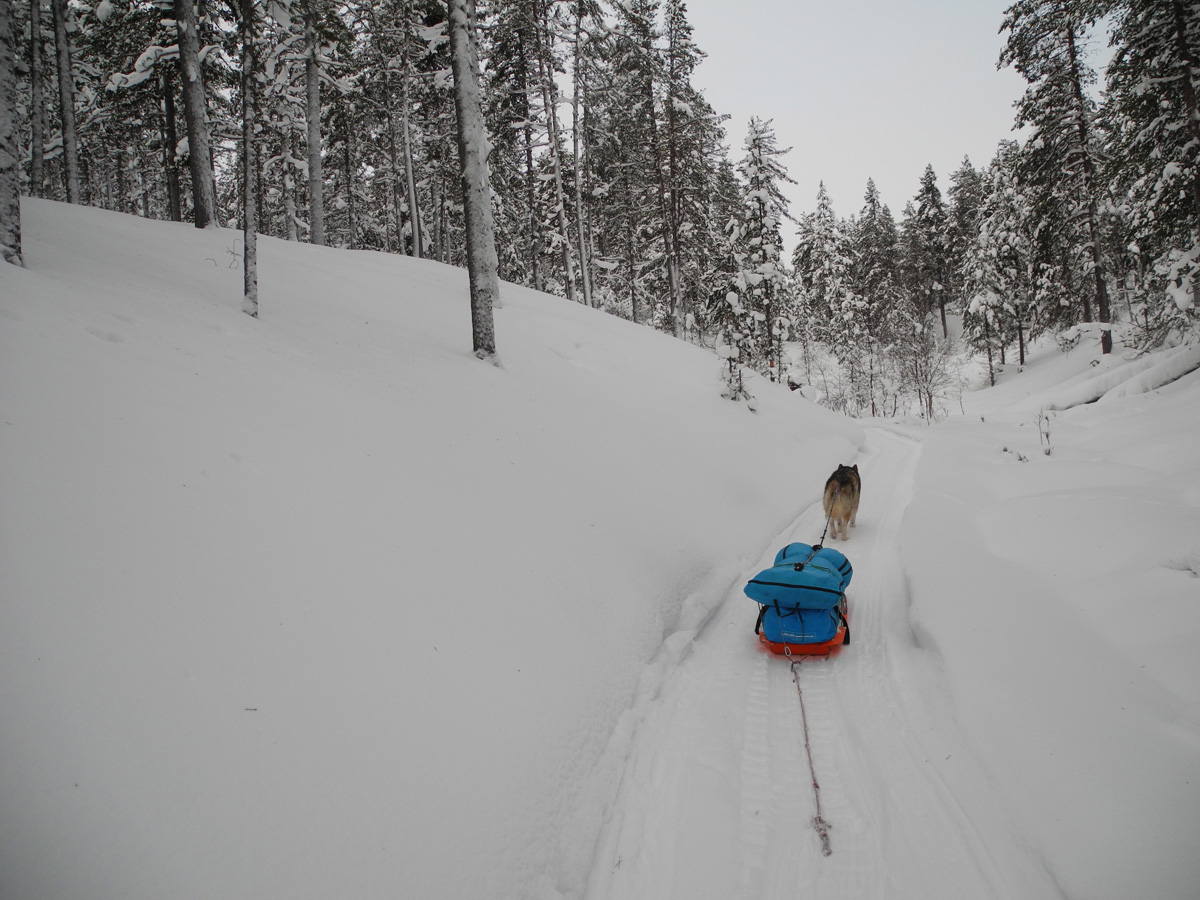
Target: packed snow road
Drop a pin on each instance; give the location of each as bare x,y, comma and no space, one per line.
717,799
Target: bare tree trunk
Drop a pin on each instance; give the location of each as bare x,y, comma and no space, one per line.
410,177
312,80
204,193
10,153
66,94
410,180
249,167
477,195
37,103
170,141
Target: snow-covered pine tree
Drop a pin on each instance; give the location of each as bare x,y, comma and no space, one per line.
875,277
1000,272
512,84
761,280
10,153
733,326
1154,122
127,59
721,211
628,215
1046,45
929,249
473,148
965,196
638,24
822,266
693,139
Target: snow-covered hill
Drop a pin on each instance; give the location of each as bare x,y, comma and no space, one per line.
320,605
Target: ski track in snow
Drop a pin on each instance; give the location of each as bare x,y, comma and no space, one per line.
717,799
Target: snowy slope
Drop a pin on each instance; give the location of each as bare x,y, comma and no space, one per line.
320,605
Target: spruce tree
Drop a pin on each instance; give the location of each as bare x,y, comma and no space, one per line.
1154,122
930,258
965,196
1045,44
1001,272
875,281
761,280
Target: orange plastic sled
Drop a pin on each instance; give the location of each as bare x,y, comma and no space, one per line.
822,649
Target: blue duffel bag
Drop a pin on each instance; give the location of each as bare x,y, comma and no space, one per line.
803,595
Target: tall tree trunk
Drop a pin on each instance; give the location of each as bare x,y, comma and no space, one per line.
394,160
37,103
121,200
66,94
10,152
673,205
580,160
204,193
249,167
312,81
410,179
550,102
476,188
289,183
531,200
1089,189
170,141
348,166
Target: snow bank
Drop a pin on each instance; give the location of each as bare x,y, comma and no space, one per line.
1059,594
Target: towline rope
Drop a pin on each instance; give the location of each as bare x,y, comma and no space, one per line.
819,824
829,518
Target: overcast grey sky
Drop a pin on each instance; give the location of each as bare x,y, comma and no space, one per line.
859,89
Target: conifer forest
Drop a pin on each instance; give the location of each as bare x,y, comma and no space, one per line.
615,184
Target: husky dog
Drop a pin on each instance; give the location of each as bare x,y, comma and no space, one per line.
842,491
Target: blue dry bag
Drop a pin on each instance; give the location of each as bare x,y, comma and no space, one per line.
803,594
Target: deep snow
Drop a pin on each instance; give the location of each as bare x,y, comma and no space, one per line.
321,605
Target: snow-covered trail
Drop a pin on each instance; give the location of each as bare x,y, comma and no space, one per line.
717,799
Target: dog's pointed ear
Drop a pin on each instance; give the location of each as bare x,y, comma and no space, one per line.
855,467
